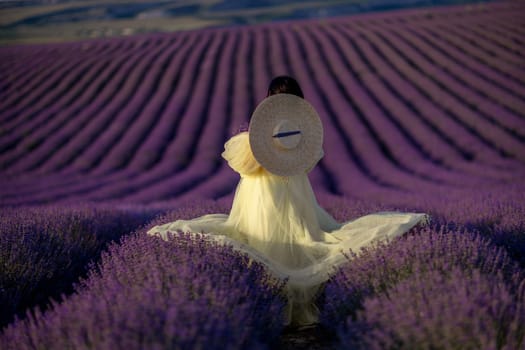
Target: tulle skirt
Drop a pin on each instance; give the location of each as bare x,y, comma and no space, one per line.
278,222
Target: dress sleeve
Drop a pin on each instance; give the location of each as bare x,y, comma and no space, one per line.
239,155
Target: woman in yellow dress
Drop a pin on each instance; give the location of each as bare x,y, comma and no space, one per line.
275,217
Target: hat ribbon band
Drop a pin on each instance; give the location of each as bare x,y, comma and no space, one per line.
285,134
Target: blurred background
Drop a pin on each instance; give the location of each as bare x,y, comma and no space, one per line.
69,20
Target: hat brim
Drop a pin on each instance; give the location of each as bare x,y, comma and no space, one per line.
269,113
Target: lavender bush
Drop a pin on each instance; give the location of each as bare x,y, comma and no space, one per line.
430,267
432,310
423,110
44,250
186,293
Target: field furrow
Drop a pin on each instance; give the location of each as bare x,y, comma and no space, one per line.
413,101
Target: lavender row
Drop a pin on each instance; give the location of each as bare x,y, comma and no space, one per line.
55,115
237,106
198,127
374,160
20,61
44,88
395,94
434,288
151,150
18,77
201,143
94,118
175,118
473,55
150,296
58,121
459,81
102,112
38,93
125,106
379,97
498,102
355,120
209,144
149,293
44,250
495,43
483,52
421,118
512,29
125,142
467,131
483,46
32,75
385,128
173,123
500,84
116,179
85,111
501,37
344,163
48,145
491,134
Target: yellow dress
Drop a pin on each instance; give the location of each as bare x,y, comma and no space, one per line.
277,221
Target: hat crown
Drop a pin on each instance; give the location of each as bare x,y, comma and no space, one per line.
286,134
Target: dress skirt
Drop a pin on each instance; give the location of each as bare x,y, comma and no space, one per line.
278,222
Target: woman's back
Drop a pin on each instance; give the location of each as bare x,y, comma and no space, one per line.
277,220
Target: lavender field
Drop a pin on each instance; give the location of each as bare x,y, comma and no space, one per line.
423,110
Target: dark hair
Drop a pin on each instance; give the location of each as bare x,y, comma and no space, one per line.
284,85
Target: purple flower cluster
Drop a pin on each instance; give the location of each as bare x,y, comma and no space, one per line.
466,310
185,293
44,250
422,111
432,288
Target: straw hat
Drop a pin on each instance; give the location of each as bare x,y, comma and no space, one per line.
286,135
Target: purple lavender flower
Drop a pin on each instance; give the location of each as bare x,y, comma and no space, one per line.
43,251
148,293
417,265
459,309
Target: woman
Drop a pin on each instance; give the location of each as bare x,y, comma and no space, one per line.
276,220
